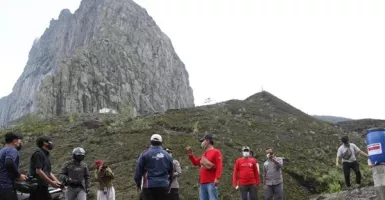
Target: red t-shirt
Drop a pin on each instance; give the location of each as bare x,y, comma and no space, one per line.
245,172
205,175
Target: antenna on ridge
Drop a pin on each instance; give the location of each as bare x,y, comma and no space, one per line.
262,88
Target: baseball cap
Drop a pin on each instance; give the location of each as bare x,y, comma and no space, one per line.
156,137
206,137
245,148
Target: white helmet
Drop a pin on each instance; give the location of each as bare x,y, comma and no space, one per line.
78,151
156,137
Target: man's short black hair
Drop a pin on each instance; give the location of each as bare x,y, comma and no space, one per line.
40,140
11,136
156,143
345,139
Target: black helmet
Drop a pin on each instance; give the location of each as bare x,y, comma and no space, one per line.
78,154
78,151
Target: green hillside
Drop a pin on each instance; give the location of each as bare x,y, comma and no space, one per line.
261,121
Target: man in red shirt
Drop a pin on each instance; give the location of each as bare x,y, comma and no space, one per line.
210,168
246,175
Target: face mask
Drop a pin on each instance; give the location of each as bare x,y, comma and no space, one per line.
246,154
268,156
19,147
171,154
203,144
49,146
79,158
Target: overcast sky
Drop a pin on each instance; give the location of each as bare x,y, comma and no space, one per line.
321,56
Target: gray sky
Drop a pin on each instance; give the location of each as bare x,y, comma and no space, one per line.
323,57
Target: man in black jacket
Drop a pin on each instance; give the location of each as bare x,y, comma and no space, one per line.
77,176
40,168
9,166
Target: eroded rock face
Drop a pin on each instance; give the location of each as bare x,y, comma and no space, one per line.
108,54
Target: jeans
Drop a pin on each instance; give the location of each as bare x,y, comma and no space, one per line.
76,194
208,191
356,168
248,192
271,191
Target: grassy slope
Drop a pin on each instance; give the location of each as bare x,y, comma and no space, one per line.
360,126
260,121
331,119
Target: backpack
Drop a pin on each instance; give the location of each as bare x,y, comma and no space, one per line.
347,154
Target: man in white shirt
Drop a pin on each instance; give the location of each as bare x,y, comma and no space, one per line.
347,152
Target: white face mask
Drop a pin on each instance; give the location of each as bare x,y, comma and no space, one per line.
204,144
268,155
170,154
246,154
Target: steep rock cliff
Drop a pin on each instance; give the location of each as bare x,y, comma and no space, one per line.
108,54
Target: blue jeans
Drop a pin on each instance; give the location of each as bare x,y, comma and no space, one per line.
208,191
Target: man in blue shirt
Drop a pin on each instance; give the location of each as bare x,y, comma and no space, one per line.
9,166
156,167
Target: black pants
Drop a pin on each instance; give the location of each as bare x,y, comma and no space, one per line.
174,194
248,189
41,194
356,168
141,197
8,194
155,193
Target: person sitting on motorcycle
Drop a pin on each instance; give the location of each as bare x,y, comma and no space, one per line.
104,176
76,176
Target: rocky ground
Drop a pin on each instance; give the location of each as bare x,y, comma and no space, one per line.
365,193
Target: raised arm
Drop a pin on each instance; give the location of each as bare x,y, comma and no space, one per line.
194,160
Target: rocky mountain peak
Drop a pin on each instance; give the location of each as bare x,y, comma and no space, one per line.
108,54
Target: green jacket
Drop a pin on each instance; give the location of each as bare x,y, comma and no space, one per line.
104,177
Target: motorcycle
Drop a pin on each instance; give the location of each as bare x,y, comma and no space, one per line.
25,188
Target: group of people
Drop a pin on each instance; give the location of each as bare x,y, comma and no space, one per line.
157,172
74,178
